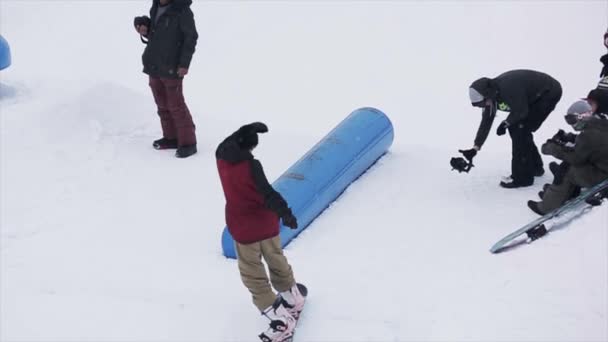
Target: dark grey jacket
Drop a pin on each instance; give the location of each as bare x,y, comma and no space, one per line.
171,40
590,149
514,92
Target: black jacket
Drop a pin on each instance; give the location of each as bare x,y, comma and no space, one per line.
590,149
514,92
171,40
604,61
229,154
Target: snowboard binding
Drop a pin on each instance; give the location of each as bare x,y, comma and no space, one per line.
597,199
537,233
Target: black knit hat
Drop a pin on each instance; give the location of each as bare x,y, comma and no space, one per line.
600,98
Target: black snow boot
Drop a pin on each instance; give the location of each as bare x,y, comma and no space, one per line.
185,151
534,207
165,144
516,184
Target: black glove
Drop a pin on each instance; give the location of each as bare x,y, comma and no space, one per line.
143,20
290,221
559,136
469,154
502,128
550,147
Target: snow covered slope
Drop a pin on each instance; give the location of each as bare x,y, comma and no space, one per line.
105,239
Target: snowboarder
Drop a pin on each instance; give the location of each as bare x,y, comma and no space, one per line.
171,41
253,209
530,96
588,161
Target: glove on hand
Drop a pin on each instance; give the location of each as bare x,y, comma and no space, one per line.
550,147
559,136
143,20
469,154
502,128
290,221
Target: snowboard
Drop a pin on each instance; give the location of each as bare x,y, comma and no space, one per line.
536,229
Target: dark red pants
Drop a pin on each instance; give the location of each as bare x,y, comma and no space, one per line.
175,117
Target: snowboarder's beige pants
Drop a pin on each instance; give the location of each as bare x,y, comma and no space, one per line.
253,272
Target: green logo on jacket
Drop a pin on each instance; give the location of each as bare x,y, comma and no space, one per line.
504,107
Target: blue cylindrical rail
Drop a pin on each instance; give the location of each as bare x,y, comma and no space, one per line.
311,184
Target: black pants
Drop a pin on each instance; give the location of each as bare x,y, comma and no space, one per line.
525,160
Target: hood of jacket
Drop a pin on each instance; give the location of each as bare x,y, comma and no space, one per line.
232,152
486,87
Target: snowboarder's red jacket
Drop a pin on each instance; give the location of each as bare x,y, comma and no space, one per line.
253,207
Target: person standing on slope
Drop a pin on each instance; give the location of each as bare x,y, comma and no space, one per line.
253,209
529,96
604,58
171,41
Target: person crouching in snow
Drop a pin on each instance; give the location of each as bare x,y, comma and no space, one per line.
588,161
253,209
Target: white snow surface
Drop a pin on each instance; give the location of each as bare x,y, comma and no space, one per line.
105,239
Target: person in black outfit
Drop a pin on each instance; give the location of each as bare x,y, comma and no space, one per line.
598,99
170,37
529,97
604,58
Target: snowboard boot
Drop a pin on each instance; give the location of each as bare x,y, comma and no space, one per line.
165,144
281,324
534,207
185,151
576,192
516,184
293,300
